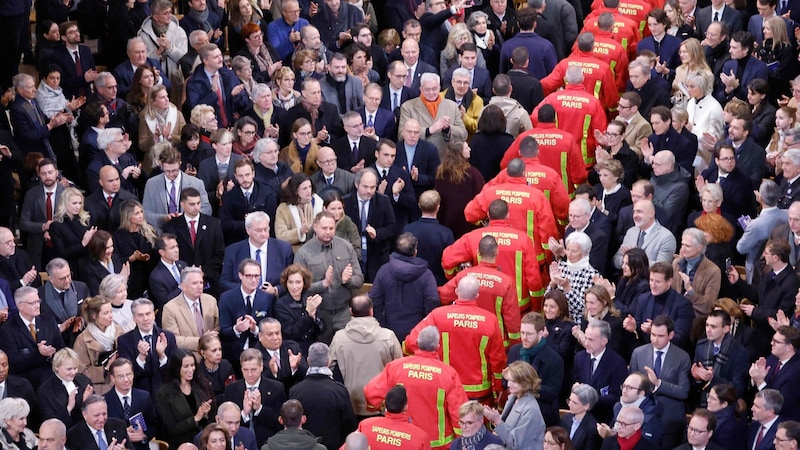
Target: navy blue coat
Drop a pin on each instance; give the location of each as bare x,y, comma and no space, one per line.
668,53
426,158
232,307
235,206
71,80
279,256
674,305
432,238
24,358
124,75
198,92
163,286
151,377
140,402
754,68
383,120
550,367
189,24
607,378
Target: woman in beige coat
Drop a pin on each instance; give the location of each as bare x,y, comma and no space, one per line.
96,346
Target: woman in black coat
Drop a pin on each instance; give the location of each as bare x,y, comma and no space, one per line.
634,282
70,232
134,241
185,401
102,261
216,369
296,310
54,399
490,142
559,327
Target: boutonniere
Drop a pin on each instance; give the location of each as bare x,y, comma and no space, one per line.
203,227
261,314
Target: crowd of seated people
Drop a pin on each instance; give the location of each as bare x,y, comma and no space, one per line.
423,224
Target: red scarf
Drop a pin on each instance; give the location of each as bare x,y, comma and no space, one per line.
629,442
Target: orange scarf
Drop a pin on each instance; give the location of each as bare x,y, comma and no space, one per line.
433,107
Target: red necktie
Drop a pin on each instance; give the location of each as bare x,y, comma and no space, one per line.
110,200
223,117
192,231
79,71
48,205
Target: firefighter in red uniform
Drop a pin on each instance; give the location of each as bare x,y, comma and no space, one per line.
597,75
578,113
557,149
541,177
516,255
434,389
393,430
609,50
528,208
625,30
471,342
636,10
497,294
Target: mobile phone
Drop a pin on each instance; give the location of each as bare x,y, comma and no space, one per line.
728,265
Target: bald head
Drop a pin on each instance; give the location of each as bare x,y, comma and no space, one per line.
52,435
326,160
663,163
467,288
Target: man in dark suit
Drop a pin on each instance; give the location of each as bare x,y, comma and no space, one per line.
737,187
31,127
643,83
790,182
766,418
663,44
667,367
395,93
226,95
330,176
379,121
62,297
354,151
77,65
525,88
606,374
719,358
272,254
229,415
200,238
283,359
325,119
596,217
103,204
258,396
125,401
120,113
14,386
432,236
718,11
734,79
191,21
249,195
240,310
409,49
97,426
219,168
115,151
38,210
781,370
395,183
15,266
417,157
137,57
480,79
580,212
378,229
30,339
165,278
147,347
700,431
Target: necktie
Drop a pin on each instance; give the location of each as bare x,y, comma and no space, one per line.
32,329
640,240
198,318
716,16
62,296
370,123
217,87
657,365
355,151
222,171
778,367
721,181
395,102
1,392
101,441
716,350
79,71
458,102
248,304
110,200
363,215
126,407
193,231
48,206
760,436
363,231
258,260
329,181
252,413
409,78
384,173
149,340
176,273
594,361
247,197
173,204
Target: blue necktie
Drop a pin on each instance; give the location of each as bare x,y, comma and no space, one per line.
258,260
176,273
659,362
101,442
363,231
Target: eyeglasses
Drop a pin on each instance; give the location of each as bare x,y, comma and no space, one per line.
628,387
249,132
304,133
621,106
327,161
624,424
775,341
251,276
694,430
777,439
728,158
467,423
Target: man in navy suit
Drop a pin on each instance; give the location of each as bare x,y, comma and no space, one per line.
76,62
97,425
378,229
283,359
229,415
379,122
395,93
766,411
226,95
737,187
480,78
354,151
240,310
165,278
395,183
62,297
125,401
246,197
605,374
210,23
259,397
147,346
717,11
103,204
30,339
200,238
31,127
419,158
767,9
433,237
409,49
272,254
137,57
719,358
781,370
734,80
663,44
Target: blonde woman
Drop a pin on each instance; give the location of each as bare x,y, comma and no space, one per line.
692,60
134,241
70,232
458,36
521,426
301,153
160,121
285,96
96,346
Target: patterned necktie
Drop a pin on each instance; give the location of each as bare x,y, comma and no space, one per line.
48,206
173,204
198,318
126,407
32,329
370,123
716,16
110,201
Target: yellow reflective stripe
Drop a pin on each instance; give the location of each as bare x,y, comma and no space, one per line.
485,382
446,347
440,413
547,193
597,86
538,293
521,299
587,122
613,64
564,173
498,311
530,224
625,43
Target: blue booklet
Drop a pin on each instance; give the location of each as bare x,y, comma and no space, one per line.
137,422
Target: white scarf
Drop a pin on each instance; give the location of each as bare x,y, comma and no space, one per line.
105,338
576,267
